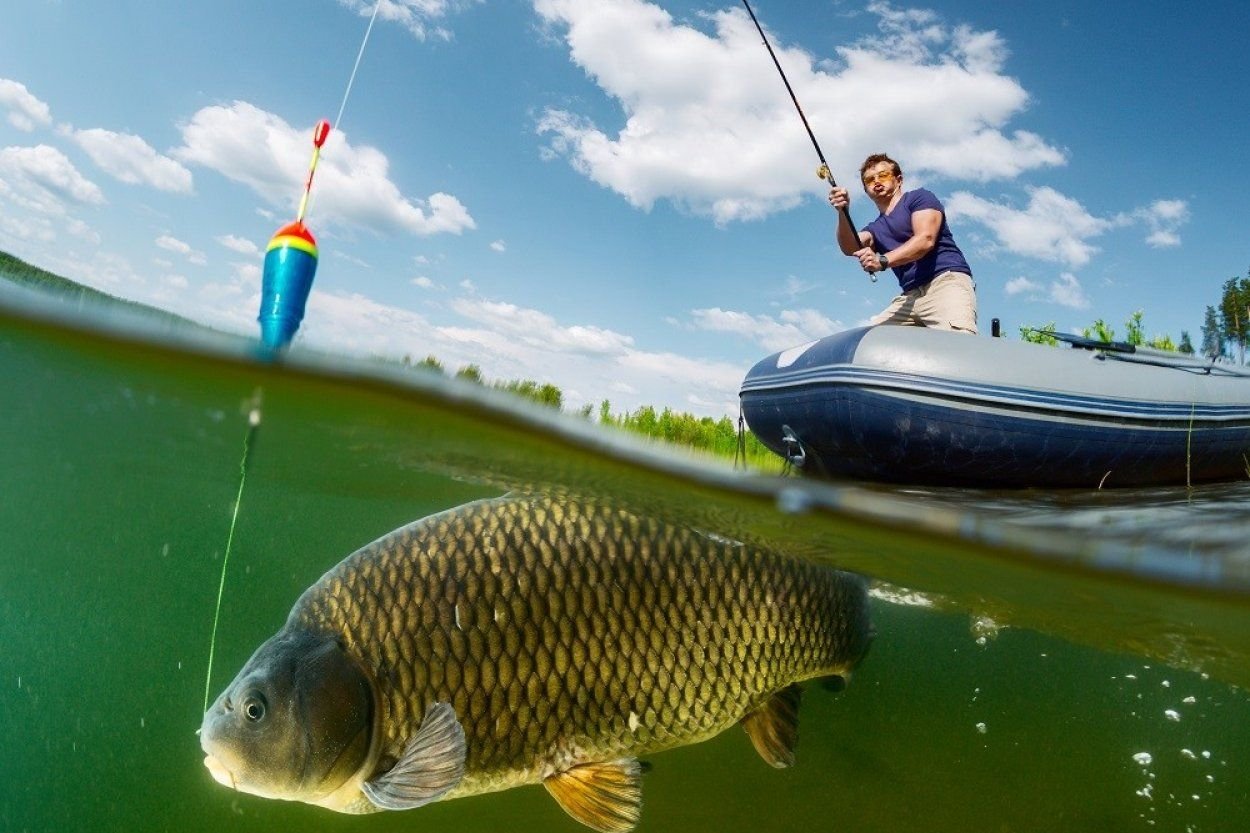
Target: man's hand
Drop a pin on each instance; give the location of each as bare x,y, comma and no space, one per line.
868,260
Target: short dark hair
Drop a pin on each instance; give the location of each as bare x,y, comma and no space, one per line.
876,159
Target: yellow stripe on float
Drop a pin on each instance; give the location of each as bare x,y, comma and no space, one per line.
294,242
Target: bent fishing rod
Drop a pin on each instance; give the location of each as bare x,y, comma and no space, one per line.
823,172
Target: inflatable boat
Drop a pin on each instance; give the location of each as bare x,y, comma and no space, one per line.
922,406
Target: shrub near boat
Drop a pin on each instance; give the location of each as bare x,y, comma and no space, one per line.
925,406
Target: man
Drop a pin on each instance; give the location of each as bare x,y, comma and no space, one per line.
911,237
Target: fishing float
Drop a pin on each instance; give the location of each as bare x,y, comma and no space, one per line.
290,266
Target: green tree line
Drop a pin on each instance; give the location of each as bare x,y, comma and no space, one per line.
1100,330
1226,327
19,272
1224,334
717,436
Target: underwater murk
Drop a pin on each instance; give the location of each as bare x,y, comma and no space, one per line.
1041,661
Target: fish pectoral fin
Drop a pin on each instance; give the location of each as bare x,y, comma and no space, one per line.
774,727
606,796
432,763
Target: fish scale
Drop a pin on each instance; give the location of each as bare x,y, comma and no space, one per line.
674,638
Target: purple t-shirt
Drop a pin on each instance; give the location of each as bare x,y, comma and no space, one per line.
889,231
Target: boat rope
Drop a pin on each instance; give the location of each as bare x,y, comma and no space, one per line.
253,424
740,447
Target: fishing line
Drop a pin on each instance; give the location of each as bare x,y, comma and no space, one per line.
253,423
338,120
823,172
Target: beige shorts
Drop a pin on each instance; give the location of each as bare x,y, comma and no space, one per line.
948,302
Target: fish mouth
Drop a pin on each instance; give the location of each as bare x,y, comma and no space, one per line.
220,773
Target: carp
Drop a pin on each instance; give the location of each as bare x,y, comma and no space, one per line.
525,640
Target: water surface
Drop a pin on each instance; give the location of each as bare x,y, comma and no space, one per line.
1044,661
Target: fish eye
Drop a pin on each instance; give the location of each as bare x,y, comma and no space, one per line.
254,708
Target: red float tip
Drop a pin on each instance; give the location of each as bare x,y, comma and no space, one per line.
296,229
320,133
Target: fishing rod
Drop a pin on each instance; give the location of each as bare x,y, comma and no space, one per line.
823,172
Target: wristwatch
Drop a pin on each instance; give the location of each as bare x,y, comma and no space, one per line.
883,261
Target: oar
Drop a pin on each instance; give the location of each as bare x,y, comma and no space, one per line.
823,172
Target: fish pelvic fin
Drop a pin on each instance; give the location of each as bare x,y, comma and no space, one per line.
432,764
605,796
774,727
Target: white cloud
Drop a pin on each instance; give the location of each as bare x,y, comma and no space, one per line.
423,282
498,246
173,244
539,329
131,160
1067,292
25,111
709,127
420,17
263,152
1019,285
508,341
42,180
1052,227
1057,228
239,244
789,328
1163,219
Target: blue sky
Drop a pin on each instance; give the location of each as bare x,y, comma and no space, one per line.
617,196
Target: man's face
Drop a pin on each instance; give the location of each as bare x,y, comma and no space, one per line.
880,181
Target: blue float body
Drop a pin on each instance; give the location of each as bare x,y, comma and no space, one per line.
287,280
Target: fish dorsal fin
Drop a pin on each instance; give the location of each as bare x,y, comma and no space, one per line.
774,727
606,796
432,763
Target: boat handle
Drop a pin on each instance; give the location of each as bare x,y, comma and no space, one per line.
795,455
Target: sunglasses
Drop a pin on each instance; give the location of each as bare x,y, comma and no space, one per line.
879,176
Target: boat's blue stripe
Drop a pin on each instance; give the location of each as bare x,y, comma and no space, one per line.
919,385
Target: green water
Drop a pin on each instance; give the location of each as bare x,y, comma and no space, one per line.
1041,642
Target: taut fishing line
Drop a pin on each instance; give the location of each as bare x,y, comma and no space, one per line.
338,120
253,420
253,423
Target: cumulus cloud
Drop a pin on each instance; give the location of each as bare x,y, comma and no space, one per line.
1020,285
130,159
1066,290
25,111
540,329
173,244
787,329
1057,228
239,244
708,127
1163,219
43,180
1052,227
423,18
263,152
498,246
508,341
